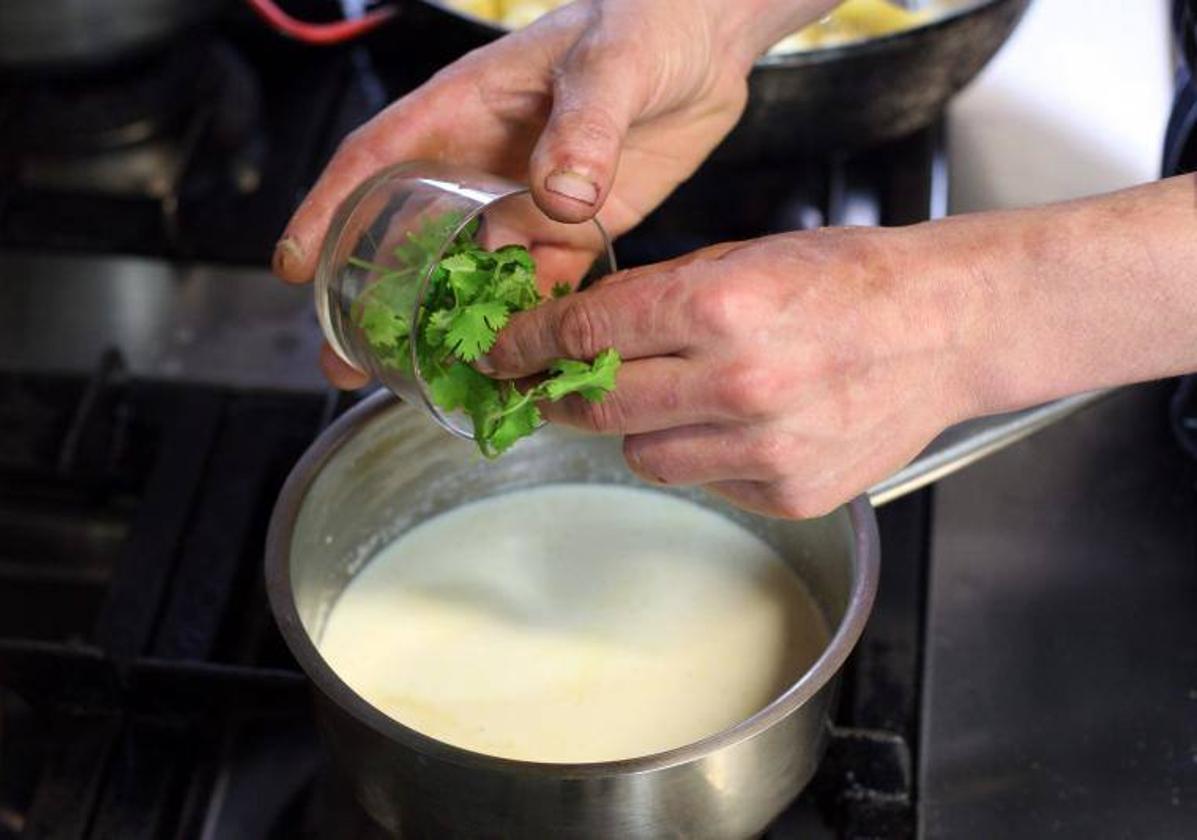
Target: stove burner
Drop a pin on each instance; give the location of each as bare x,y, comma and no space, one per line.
104,110
191,116
196,153
134,131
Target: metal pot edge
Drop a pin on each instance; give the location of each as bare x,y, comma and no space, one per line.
282,603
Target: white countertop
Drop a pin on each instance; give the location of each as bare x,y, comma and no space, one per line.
1076,103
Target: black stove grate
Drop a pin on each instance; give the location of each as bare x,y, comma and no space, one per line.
146,505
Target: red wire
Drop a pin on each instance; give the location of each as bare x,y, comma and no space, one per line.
337,32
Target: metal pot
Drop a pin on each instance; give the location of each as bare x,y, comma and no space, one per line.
384,467
867,93
71,34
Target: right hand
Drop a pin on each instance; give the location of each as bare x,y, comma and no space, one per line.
603,107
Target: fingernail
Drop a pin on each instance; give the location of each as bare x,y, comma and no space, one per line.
287,255
483,364
572,185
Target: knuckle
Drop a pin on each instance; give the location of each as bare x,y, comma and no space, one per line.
646,459
350,144
505,354
590,129
718,309
606,54
580,332
608,417
747,390
356,151
514,348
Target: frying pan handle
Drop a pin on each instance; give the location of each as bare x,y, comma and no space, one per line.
969,442
320,34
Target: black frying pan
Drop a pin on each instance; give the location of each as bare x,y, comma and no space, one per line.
860,94
876,90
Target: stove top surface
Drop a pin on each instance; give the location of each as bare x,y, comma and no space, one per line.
145,689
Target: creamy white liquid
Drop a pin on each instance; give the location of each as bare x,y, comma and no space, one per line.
574,623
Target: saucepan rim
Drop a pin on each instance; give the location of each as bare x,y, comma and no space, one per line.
282,602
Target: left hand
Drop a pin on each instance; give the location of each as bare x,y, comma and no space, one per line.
787,374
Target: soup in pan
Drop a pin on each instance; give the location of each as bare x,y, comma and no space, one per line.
574,623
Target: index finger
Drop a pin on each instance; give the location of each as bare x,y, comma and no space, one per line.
641,312
635,312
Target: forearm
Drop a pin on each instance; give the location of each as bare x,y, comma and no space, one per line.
1073,297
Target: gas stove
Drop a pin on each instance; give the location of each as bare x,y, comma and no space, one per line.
156,386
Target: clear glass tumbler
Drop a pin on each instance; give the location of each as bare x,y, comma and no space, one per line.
388,236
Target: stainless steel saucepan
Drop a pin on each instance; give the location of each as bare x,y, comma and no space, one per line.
382,468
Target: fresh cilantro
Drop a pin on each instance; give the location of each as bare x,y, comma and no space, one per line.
593,381
513,425
475,328
451,390
471,294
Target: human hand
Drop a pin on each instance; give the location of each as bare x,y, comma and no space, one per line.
787,374
602,107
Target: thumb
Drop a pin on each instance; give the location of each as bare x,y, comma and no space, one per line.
595,99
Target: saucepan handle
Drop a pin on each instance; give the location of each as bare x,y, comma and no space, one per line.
969,442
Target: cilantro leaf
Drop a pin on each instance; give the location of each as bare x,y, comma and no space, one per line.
421,245
467,276
383,313
475,328
515,255
520,418
593,381
382,323
560,290
451,389
515,282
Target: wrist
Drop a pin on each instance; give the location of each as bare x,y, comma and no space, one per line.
1071,297
987,302
753,26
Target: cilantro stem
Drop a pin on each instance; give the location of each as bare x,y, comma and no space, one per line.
525,398
358,262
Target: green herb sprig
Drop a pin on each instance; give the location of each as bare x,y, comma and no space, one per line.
472,293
